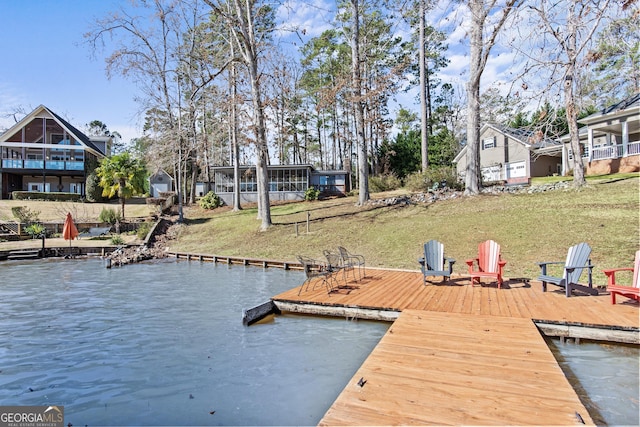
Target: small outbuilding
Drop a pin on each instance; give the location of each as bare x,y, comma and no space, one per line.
160,182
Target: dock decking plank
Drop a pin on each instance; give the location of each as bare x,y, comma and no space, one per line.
462,354
400,290
409,381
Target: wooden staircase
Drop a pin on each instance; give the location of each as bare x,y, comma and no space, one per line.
24,254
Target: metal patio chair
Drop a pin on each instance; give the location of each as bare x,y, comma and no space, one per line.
335,264
353,262
315,271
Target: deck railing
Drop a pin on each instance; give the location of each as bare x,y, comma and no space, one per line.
615,151
42,164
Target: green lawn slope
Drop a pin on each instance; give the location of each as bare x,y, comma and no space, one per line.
529,227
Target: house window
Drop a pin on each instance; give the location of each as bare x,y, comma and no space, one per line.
38,187
489,143
506,149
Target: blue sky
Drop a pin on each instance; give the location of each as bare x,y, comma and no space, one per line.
45,62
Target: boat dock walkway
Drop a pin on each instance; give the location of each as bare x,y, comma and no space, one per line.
435,368
458,354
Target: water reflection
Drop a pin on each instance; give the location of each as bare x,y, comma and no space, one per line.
163,344
606,378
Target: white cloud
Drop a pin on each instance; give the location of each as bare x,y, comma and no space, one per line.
309,18
128,132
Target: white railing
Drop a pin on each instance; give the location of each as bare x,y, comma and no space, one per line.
615,151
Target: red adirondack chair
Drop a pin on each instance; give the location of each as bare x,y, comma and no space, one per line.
632,291
489,263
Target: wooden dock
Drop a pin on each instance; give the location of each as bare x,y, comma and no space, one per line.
383,294
436,368
458,354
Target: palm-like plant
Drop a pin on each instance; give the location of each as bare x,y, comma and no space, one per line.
121,175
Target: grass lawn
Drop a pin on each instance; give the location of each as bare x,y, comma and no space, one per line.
56,212
529,227
50,211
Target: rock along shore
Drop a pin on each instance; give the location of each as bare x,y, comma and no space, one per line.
155,249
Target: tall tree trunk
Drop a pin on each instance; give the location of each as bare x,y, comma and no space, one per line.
569,97
363,165
472,176
233,131
479,54
240,20
424,119
262,154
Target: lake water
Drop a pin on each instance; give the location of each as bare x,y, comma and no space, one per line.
163,343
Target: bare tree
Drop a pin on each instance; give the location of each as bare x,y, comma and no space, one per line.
568,28
240,16
144,50
480,49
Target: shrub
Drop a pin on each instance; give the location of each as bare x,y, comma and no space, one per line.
433,178
24,214
93,189
110,216
116,239
35,230
56,197
384,183
143,230
210,201
311,194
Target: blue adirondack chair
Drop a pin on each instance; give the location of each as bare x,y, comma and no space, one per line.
577,261
434,262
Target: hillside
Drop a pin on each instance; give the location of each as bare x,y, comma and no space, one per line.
530,227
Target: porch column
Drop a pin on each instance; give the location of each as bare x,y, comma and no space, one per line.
612,141
565,159
590,143
625,139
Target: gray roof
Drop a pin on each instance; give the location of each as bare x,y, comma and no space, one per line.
632,101
526,136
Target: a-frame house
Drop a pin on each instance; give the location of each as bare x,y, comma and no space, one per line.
45,153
